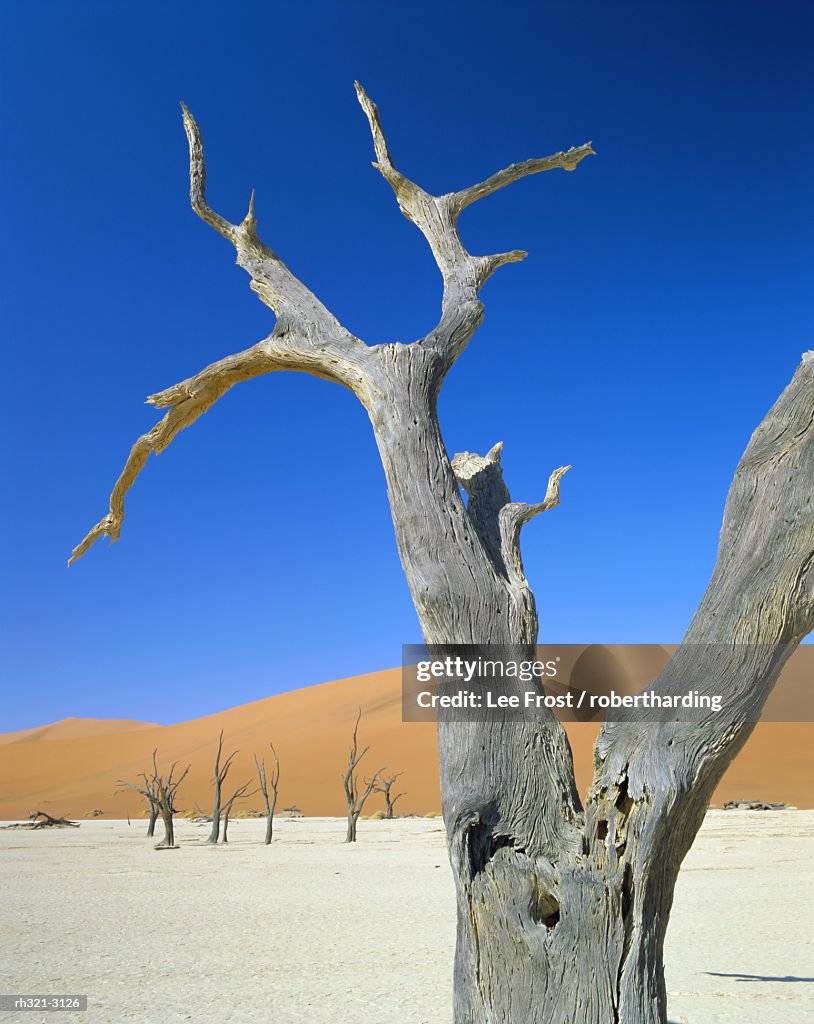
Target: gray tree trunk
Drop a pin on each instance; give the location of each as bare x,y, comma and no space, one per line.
152,821
214,831
168,842
219,777
562,910
269,784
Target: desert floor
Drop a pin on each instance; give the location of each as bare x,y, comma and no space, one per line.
311,931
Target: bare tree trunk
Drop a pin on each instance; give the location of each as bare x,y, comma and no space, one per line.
218,778
164,788
385,787
269,827
168,842
269,784
354,796
214,832
562,910
240,793
152,821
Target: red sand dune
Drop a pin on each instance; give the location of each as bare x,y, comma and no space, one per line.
72,767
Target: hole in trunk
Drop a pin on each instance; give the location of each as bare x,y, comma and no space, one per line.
627,892
545,907
602,831
483,845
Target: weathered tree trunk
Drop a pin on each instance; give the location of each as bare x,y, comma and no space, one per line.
562,911
214,832
218,778
355,797
152,821
269,784
164,788
562,915
168,842
385,787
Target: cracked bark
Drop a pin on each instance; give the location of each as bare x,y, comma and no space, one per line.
562,909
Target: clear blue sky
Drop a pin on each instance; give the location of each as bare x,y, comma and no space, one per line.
664,305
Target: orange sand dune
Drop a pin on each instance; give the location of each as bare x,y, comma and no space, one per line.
72,768
74,728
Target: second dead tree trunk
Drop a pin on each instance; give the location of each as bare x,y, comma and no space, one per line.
385,786
165,788
148,792
268,787
239,794
562,909
219,777
354,797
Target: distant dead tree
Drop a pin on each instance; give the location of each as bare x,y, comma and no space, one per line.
165,788
268,785
221,771
239,794
198,815
48,821
385,786
350,782
148,792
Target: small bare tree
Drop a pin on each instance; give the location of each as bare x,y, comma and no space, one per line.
219,777
268,787
239,794
385,786
165,788
355,798
148,792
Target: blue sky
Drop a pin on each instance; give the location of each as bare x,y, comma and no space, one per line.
664,305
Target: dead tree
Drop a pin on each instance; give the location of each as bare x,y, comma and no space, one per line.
219,777
238,794
384,786
165,788
354,796
269,785
148,792
42,819
562,910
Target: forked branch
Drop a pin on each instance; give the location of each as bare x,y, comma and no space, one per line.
436,217
307,337
186,402
496,518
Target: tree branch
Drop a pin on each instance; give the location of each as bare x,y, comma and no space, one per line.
497,519
436,217
321,340
186,401
307,337
563,161
515,515
757,608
